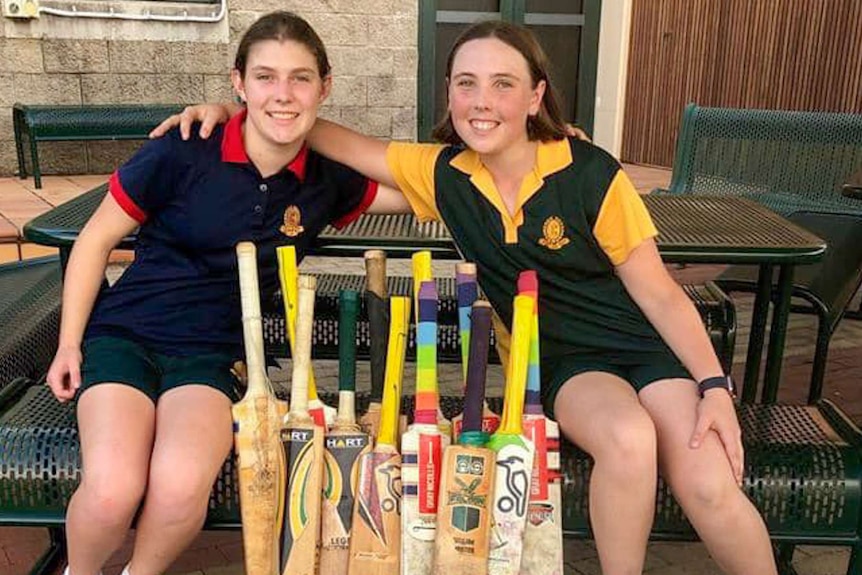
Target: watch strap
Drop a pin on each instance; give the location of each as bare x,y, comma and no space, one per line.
720,381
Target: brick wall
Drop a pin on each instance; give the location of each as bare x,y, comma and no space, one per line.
55,60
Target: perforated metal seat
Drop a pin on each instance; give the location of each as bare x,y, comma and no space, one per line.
803,472
29,317
716,310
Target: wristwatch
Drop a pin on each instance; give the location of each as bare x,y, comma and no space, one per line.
722,381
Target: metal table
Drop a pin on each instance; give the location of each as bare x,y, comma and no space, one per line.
693,229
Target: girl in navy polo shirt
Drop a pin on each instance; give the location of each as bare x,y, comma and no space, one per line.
149,359
621,342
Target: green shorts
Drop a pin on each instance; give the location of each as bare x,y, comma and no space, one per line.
639,372
119,360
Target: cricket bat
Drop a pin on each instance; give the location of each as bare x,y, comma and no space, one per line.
345,443
514,452
257,420
302,441
377,308
422,446
288,274
375,542
543,534
468,292
421,261
464,515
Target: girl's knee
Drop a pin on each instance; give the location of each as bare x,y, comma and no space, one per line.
627,445
704,489
179,497
111,499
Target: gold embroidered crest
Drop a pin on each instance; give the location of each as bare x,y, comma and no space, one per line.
292,218
554,231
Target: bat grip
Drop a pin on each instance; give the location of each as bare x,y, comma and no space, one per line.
378,328
375,272
477,366
348,310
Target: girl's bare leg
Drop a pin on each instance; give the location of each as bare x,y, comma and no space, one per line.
600,413
702,482
115,424
193,439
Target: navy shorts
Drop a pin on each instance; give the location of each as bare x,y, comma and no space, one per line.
119,360
639,372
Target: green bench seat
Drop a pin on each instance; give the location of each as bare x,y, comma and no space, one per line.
55,123
803,471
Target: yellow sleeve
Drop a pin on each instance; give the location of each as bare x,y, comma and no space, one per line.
623,222
412,166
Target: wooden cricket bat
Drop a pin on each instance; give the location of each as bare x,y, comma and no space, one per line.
422,273
514,452
464,515
288,272
345,443
377,307
468,292
375,543
257,420
302,441
422,447
543,535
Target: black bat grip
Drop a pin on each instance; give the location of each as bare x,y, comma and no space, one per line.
477,365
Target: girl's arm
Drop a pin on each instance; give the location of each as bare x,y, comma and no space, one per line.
364,154
84,274
668,308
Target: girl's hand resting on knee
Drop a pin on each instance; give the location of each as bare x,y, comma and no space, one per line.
64,375
715,412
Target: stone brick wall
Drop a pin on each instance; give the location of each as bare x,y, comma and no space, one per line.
372,45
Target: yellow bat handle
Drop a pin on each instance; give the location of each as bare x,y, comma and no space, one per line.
288,275
519,358
399,311
421,273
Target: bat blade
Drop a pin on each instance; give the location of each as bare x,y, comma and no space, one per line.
257,420
468,292
345,444
303,444
288,274
422,446
375,542
514,452
464,514
543,534
377,306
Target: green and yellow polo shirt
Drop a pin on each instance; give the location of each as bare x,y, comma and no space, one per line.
577,216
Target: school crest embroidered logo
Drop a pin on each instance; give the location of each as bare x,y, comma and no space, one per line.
292,226
554,232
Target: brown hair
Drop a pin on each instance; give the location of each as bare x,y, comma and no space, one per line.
281,26
548,124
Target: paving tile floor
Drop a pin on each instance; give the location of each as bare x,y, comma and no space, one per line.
220,553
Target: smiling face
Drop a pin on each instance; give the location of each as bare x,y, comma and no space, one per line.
491,95
283,89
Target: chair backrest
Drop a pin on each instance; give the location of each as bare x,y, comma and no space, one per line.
789,161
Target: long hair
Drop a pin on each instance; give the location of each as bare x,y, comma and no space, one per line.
548,124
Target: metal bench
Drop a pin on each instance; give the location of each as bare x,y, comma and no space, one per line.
801,165
803,470
56,123
716,311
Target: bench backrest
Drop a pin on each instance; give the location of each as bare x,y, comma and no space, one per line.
789,161
95,121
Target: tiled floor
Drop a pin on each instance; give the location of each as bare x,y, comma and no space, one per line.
216,553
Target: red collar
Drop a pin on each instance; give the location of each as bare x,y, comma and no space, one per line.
233,150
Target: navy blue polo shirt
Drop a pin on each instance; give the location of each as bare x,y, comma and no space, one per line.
195,200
